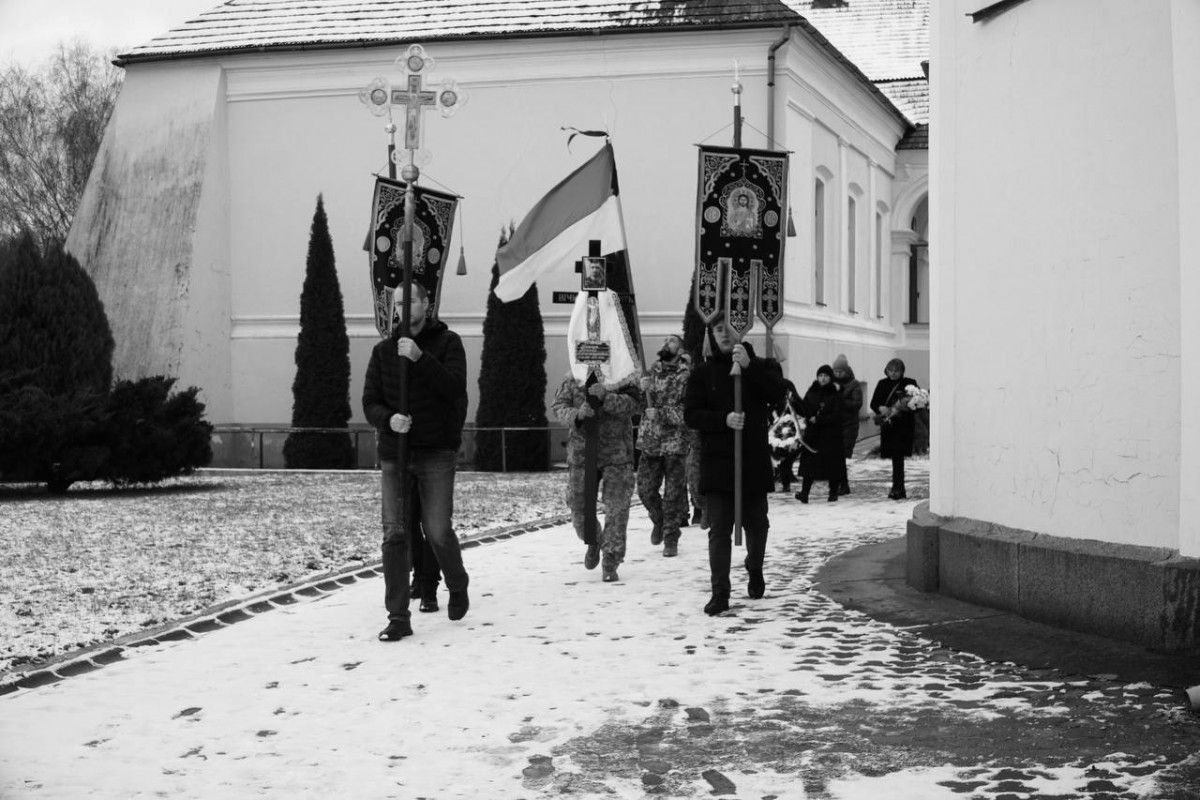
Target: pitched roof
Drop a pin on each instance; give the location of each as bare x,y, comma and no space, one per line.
850,36
255,25
886,39
910,96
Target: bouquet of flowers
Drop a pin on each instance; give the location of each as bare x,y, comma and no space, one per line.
916,398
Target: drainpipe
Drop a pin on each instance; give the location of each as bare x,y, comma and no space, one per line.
787,34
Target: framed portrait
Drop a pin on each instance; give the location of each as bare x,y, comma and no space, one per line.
595,273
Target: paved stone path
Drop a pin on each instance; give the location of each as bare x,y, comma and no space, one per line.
557,684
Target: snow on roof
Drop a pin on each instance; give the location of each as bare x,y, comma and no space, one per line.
910,96
875,39
244,25
886,39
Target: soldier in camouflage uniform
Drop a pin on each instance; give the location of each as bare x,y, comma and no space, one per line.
663,439
618,403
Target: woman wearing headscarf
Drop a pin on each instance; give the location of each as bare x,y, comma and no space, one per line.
821,458
896,421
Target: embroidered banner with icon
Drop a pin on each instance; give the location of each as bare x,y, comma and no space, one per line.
433,224
741,212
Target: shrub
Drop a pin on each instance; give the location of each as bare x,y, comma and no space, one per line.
56,439
512,384
153,435
321,389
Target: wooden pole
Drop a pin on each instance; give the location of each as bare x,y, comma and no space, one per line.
736,372
410,175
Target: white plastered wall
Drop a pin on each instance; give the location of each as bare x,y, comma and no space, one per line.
1057,251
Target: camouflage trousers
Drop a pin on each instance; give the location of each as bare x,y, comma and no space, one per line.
616,490
668,510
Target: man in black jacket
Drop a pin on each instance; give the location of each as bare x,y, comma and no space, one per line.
437,408
708,407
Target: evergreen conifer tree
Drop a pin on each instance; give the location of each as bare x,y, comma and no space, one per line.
53,328
55,367
321,389
512,383
693,326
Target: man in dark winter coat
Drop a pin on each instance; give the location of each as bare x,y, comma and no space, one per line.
708,407
437,408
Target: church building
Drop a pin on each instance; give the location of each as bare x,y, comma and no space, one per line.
194,224
1065,461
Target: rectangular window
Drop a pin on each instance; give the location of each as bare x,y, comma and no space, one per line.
851,253
819,242
879,265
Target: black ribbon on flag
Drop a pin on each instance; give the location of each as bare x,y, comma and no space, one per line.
741,212
433,225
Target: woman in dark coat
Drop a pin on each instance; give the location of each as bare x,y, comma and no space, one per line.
708,408
851,394
896,421
821,408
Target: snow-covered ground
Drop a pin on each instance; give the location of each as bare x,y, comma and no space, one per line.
557,683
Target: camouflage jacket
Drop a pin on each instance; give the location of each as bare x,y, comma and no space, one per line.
664,432
624,399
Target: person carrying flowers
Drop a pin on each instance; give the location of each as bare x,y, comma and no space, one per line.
893,413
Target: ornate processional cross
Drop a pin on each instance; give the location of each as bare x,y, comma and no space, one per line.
380,96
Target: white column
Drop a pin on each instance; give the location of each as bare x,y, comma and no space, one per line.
1185,22
943,179
843,237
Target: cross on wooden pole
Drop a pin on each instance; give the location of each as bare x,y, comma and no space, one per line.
379,97
593,279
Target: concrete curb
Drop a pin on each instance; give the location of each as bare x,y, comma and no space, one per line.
871,579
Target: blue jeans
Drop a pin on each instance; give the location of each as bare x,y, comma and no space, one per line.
431,476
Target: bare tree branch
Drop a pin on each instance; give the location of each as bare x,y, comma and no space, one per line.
52,122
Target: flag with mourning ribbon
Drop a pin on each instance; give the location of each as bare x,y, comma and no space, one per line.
433,224
583,207
740,216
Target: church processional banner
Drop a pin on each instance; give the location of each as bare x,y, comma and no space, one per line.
433,224
741,208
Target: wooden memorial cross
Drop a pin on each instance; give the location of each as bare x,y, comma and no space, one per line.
593,351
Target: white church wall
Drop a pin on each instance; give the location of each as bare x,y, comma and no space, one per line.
502,152
1185,49
272,131
149,230
1056,296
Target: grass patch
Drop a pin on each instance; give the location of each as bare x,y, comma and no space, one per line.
99,562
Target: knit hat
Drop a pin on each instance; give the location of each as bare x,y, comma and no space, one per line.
841,363
895,363
825,369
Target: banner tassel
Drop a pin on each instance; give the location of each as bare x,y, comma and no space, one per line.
791,226
462,256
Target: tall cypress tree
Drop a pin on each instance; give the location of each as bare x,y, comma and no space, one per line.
321,389
693,326
512,383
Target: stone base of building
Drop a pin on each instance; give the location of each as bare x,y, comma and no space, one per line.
1146,595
